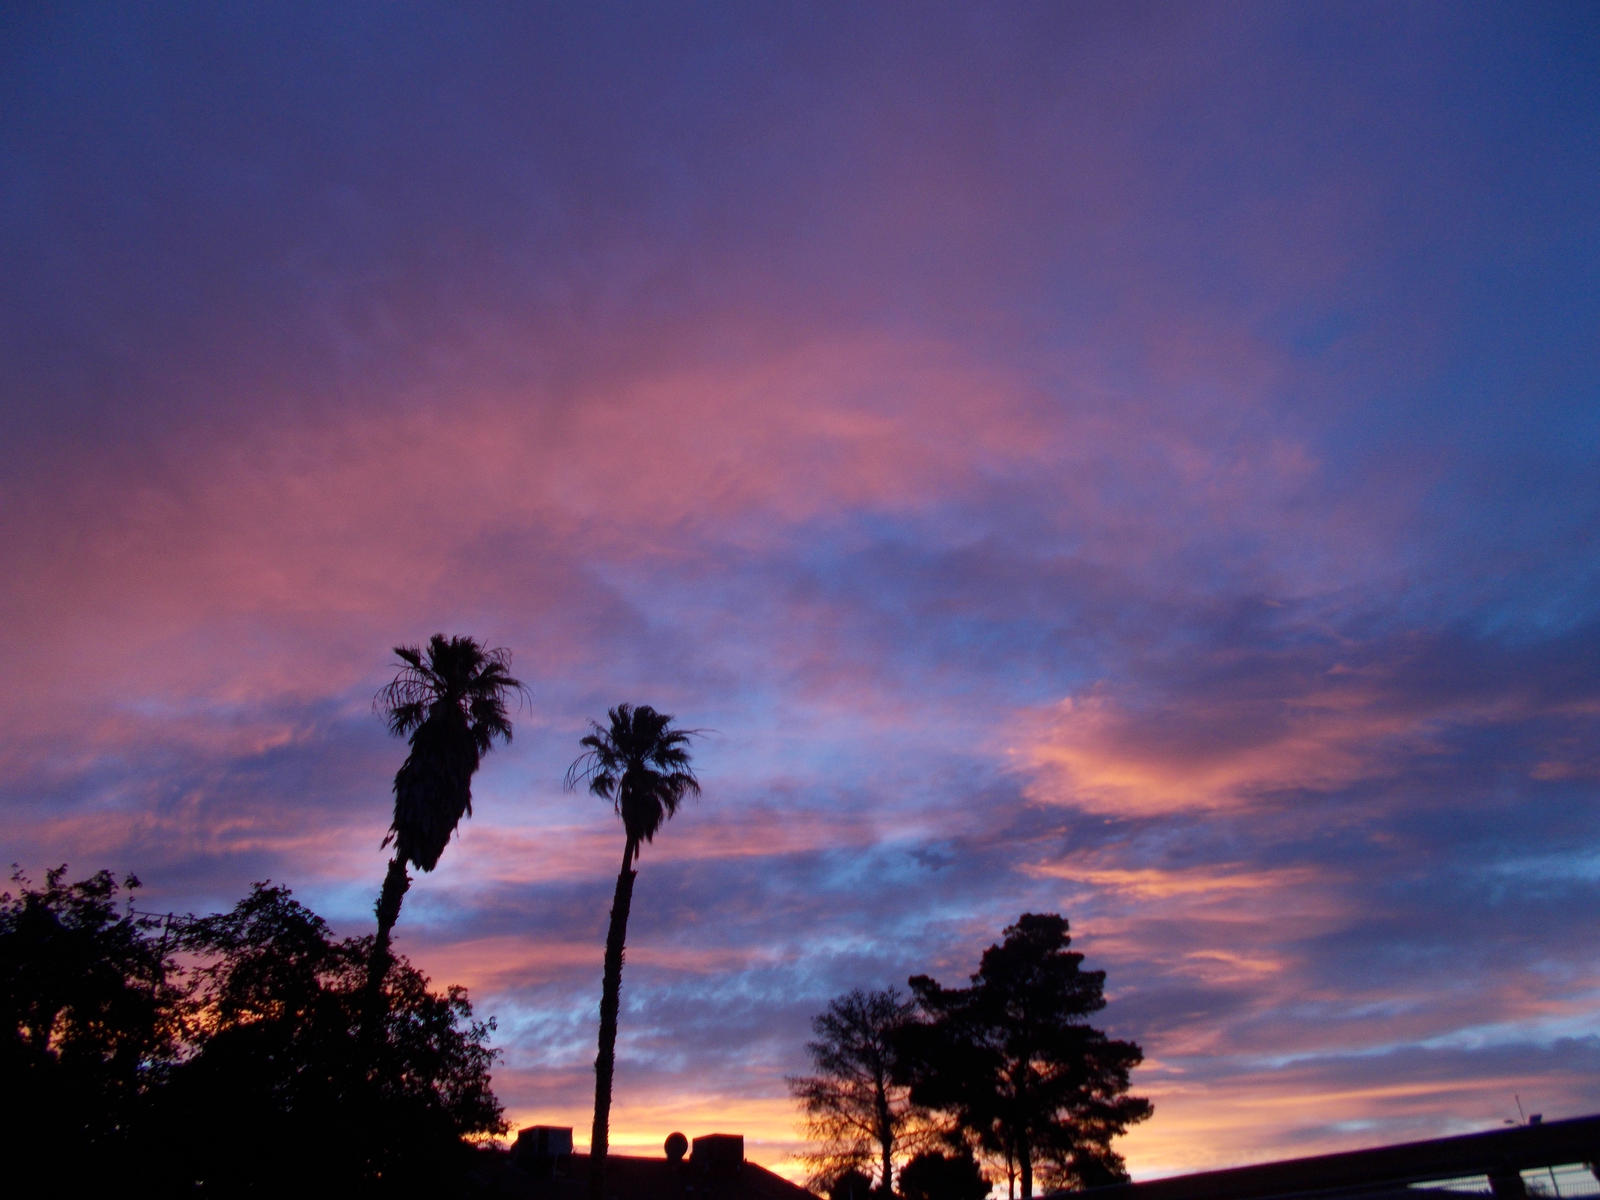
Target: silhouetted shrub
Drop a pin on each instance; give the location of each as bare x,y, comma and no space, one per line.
241,1073
935,1176
850,1185
87,1022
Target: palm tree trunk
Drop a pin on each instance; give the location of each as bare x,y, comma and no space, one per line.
610,999
395,883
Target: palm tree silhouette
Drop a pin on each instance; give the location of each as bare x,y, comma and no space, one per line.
642,767
451,700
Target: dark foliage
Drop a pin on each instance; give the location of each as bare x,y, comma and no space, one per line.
933,1175
850,1185
1014,1060
241,1073
856,1110
88,1023
279,1065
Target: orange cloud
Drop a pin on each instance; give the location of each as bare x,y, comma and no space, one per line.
1165,883
1214,748
1092,754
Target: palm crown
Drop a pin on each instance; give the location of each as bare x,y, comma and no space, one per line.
451,700
640,765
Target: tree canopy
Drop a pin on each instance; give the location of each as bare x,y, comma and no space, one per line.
856,1109
280,1001
221,1054
89,1018
1013,1059
849,1184
934,1175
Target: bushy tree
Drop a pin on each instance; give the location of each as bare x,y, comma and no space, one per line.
856,1110
88,1021
282,1063
933,1175
1015,1061
849,1184
241,1072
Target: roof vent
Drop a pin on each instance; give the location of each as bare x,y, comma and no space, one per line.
539,1146
720,1154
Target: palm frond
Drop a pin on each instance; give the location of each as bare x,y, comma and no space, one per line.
450,699
405,716
638,763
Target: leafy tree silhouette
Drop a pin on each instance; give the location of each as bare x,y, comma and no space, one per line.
850,1184
640,764
283,1091
1015,1061
932,1175
88,1024
451,701
233,1066
855,1107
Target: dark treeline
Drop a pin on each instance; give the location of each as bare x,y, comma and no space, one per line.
1007,1070
222,1055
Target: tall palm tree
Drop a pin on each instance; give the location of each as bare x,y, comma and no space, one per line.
641,766
451,700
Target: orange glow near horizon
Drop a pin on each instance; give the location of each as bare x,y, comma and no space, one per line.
767,1126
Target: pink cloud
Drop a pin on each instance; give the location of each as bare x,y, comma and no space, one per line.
1238,727
1093,754
1207,886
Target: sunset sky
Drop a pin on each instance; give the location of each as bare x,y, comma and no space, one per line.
1136,461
